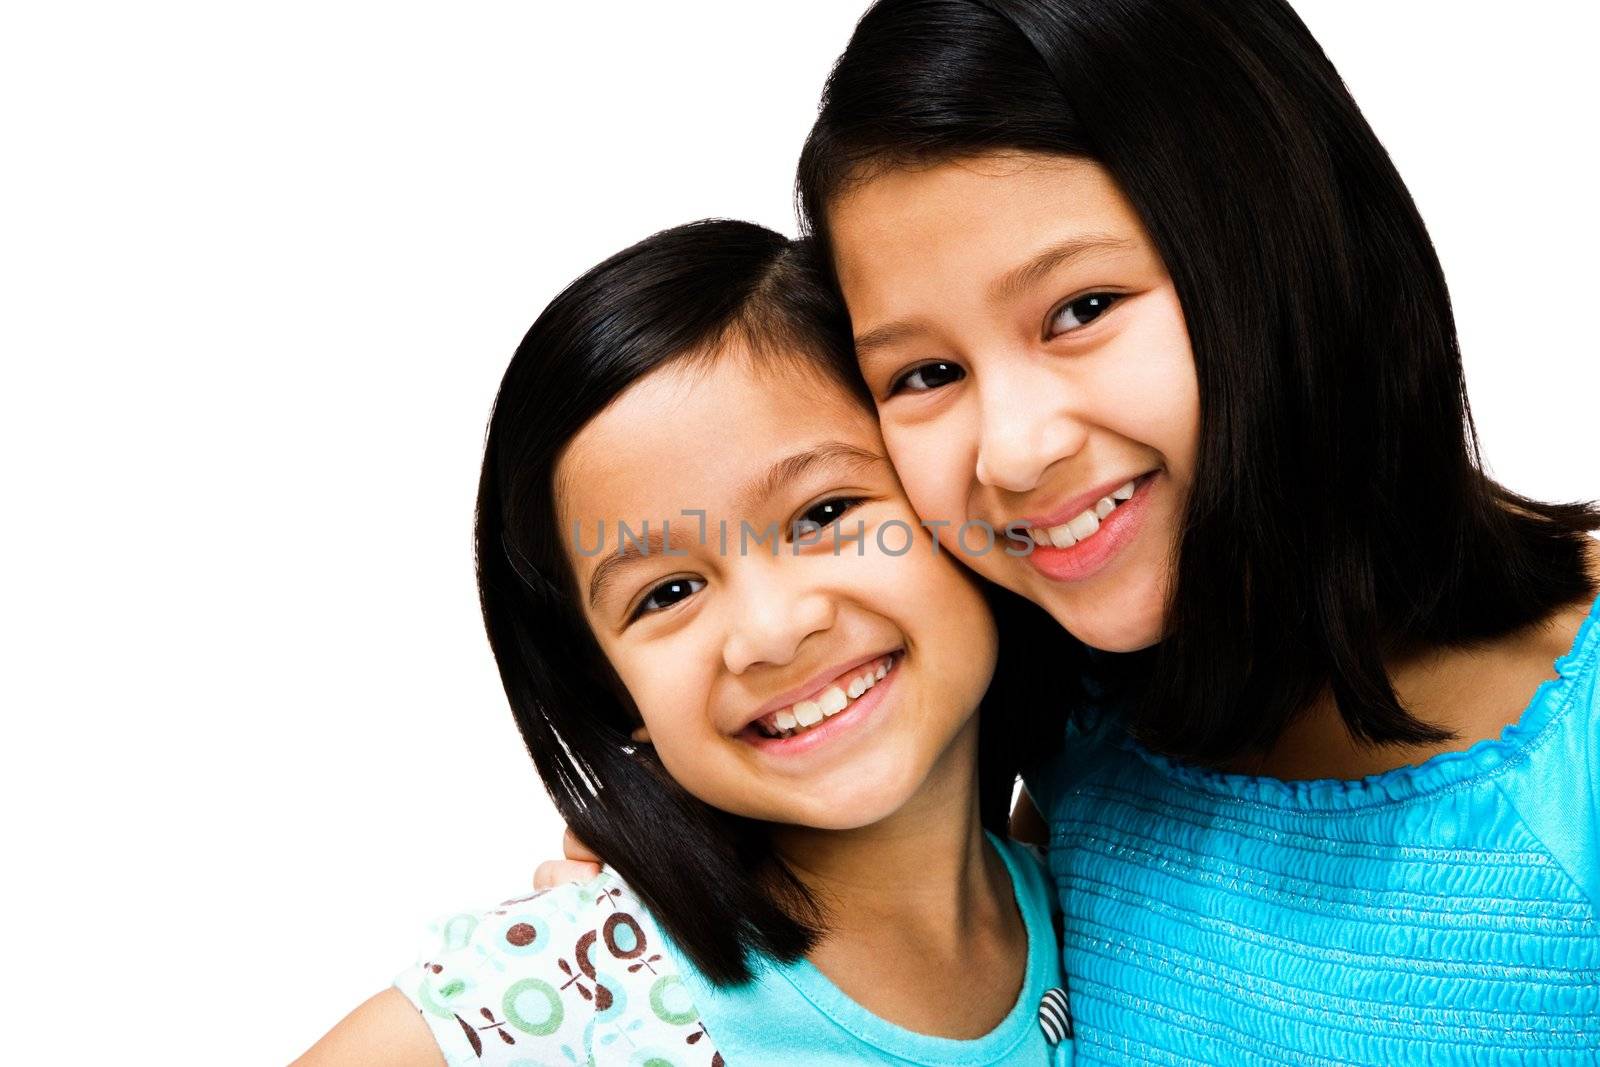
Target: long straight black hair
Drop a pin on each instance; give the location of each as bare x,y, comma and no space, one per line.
1339,515
696,292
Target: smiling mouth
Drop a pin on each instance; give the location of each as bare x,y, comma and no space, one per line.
1086,523
833,699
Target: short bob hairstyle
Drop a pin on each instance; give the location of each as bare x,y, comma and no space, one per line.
706,291
1339,516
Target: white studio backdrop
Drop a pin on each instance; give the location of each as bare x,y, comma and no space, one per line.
263,266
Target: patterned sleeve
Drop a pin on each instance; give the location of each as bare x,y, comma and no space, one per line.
569,976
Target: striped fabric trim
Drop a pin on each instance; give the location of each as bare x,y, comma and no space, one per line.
1055,1016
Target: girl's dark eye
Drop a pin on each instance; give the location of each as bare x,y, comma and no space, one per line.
667,594
1080,312
927,377
827,512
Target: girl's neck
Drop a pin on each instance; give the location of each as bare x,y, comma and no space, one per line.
915,895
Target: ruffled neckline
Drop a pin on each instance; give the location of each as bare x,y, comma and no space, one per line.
1443,771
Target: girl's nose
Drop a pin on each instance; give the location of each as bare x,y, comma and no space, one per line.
771,619
1023,428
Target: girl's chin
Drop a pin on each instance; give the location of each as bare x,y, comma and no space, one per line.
1107,630
1130,622
870,798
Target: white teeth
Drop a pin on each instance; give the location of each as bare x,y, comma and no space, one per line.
830,702
1081,526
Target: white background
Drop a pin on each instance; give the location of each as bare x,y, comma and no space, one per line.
262,268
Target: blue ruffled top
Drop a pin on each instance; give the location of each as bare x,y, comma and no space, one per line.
1442,913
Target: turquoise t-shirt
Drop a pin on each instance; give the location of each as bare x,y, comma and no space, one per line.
1444,913
582,975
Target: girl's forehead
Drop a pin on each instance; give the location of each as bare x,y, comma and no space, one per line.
695,432
996,206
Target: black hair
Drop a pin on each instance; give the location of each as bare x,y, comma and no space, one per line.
710,878
1340,515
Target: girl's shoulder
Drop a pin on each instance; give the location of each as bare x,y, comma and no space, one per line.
1030,871
1552,758
578,974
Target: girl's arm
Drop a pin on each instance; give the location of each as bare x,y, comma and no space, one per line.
385,1029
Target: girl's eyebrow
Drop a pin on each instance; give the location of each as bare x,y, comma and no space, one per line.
630,550
1019,279
883,336
798,465
789,469
1015,281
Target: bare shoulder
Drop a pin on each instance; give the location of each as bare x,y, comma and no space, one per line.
1561,628
384,1029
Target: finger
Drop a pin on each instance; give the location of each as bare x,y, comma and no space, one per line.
553,873
576,850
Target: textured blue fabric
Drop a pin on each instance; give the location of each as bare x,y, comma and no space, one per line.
1446,913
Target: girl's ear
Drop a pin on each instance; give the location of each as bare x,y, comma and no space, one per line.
641,734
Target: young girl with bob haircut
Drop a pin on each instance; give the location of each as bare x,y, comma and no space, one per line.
1137,277
761,700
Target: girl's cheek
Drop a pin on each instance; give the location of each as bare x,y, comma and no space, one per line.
934,476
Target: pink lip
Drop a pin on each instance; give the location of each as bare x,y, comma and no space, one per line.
857,714
1087,558
813,687
1078,504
